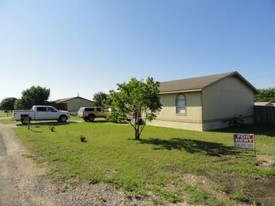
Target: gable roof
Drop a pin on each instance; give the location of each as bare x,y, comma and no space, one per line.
199,83
58,101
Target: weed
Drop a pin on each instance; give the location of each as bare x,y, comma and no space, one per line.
83,139
235,121
241,193
197,196
170,196
52,128
102,200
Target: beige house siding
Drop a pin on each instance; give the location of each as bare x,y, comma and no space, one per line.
168,117
210,101
226,99
193,106
177,125
73,105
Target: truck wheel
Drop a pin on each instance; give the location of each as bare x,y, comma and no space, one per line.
62,119
91,118
86,119
25,120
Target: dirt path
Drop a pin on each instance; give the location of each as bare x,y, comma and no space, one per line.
19,177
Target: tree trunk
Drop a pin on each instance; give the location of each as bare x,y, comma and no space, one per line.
137,134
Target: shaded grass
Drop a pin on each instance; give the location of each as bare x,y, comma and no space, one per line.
111,155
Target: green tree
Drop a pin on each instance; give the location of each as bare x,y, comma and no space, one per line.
266,95
18,104
135,101
32,96
7,103
99,98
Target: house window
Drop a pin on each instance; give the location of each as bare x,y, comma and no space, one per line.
180,104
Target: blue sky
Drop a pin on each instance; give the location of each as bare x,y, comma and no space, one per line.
86,46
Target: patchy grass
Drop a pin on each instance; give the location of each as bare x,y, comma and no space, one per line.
5,118
7,121
155,164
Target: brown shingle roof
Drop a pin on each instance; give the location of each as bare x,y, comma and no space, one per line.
58,101
198,83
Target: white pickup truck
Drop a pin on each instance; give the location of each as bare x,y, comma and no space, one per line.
40,112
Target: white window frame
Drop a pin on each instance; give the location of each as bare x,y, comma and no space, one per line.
180,104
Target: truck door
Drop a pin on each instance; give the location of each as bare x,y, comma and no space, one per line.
40,113
52,113
99,112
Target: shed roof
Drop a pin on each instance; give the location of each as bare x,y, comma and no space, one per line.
199,83
263,103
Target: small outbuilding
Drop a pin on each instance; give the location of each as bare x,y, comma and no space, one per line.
206,103
267,104
72,104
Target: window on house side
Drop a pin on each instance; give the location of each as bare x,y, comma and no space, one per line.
180,104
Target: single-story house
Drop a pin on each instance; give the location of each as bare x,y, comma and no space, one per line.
205,103
72,104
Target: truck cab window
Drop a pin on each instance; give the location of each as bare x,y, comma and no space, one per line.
41,109
50,109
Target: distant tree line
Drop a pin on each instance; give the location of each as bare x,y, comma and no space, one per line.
7,104
37,95
33,96
266,95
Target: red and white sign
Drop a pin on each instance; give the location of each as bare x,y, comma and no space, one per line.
244,140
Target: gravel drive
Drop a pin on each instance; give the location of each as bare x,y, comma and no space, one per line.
22,182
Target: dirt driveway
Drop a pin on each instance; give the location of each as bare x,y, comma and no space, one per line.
19,177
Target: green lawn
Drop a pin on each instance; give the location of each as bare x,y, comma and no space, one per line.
155,164
4,114
5,118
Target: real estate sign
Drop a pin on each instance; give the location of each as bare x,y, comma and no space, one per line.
242,140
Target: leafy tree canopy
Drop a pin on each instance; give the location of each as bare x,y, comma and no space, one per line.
7,103
135,101
99,98
266,95
32,96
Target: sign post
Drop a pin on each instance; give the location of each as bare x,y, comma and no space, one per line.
247,141
28,121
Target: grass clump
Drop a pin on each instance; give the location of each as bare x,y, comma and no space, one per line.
197,195
52,128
